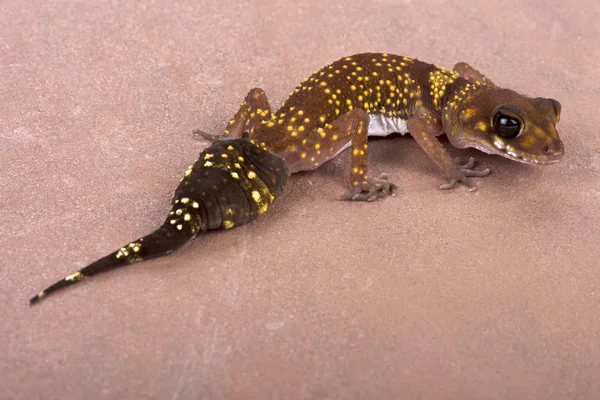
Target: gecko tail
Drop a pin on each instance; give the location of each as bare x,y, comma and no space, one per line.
232,182
166,239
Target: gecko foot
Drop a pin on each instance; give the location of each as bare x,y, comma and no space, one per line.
465,170
371,189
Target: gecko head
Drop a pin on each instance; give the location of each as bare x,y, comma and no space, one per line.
503,122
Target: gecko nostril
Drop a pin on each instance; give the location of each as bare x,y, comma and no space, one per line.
547,149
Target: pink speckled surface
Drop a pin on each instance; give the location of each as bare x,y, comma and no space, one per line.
427,295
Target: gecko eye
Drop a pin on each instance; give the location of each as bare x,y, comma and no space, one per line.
506,126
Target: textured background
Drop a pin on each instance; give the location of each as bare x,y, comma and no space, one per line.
430,294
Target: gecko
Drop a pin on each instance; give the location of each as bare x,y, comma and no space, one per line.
376,94
371,94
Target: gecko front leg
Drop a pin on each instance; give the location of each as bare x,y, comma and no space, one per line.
471,74
425,129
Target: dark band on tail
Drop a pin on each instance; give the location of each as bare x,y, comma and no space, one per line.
232,182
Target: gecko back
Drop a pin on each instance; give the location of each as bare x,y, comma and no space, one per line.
232,182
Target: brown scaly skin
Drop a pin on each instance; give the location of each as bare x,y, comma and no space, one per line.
232,182
333,107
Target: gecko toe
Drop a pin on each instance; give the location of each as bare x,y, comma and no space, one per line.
478,173
471,187
468,168
372,189
200,134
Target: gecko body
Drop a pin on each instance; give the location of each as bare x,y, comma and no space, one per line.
371,94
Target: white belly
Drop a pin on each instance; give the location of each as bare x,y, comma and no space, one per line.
380,125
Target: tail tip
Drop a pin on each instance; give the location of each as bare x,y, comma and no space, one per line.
35,299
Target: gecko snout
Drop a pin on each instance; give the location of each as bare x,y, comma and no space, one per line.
554,149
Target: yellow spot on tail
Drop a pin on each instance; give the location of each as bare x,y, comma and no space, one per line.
263,209
251,175
195,204
185,200
228,224
256,196
208,156
208,164
179,227
229,147
187,217
77,276
235,175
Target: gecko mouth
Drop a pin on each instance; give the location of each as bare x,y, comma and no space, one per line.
549,154
526,159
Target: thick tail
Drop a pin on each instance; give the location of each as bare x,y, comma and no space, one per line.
232,182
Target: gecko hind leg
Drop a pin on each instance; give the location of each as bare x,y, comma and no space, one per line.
254,109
